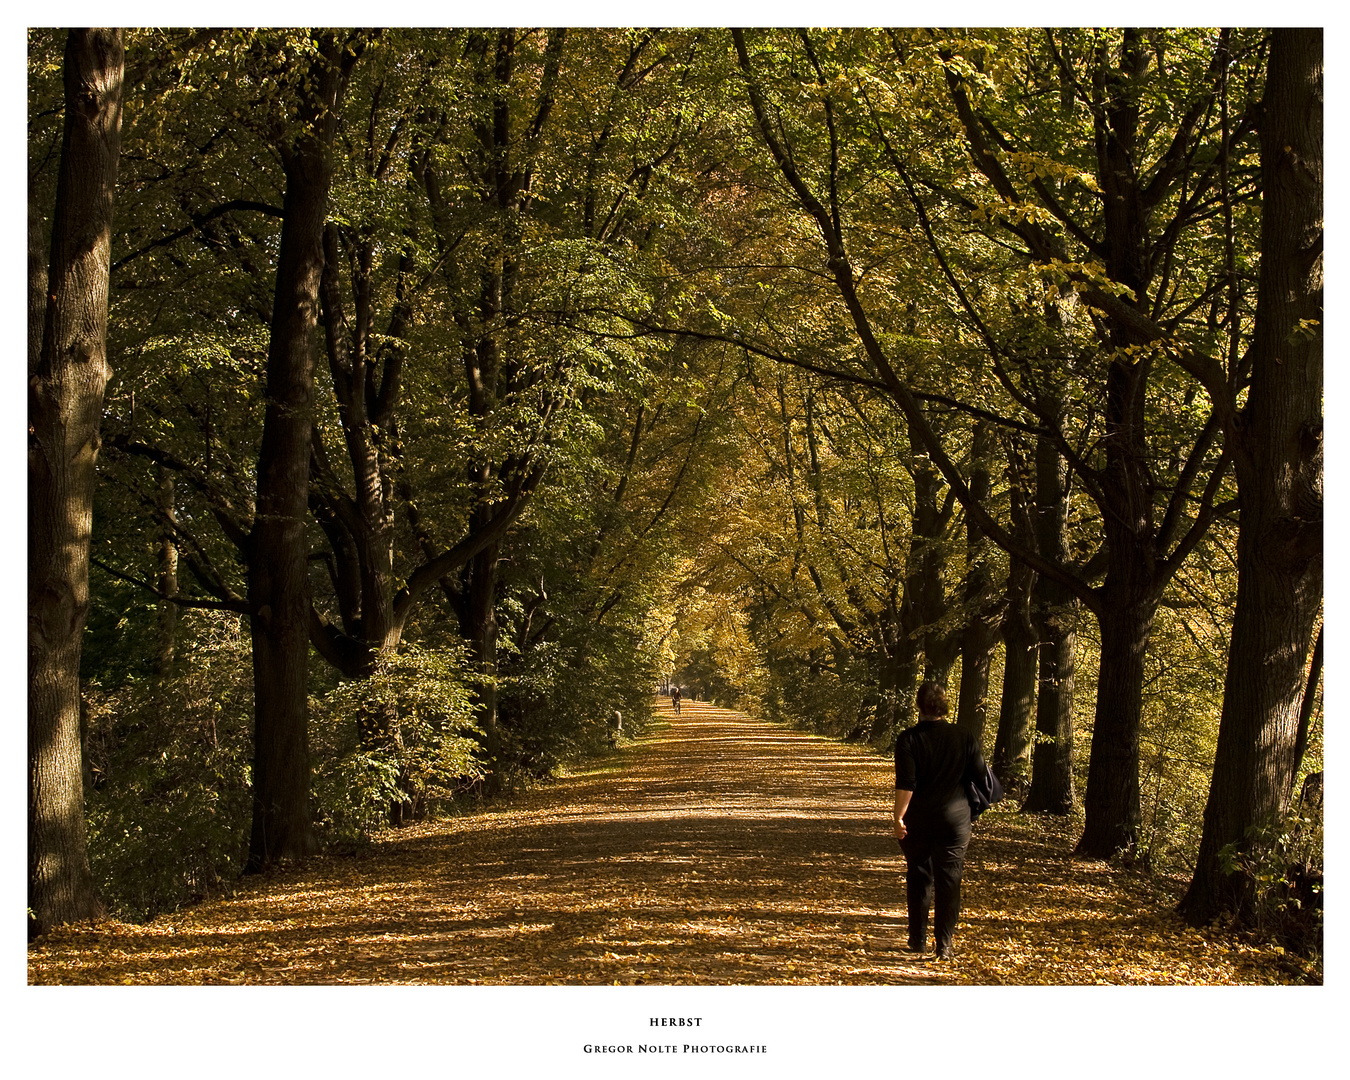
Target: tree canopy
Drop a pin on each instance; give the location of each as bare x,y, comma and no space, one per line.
465,386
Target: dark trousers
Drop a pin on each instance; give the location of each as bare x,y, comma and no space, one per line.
933,862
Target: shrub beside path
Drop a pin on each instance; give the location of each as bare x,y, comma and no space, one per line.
720,849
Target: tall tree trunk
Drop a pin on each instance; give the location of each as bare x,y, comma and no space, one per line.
66,382
1111,802
983,611
278,572
1305,711
888,633
925,603
1133,585
1129,602
359,522
1017,703
899,673
1278,461
1056,611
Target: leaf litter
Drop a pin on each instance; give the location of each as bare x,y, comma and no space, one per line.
719,850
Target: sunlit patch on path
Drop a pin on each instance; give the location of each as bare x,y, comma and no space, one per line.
718,850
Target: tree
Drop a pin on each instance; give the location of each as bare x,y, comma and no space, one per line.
277,546
68,372
1017,700
1055,610
1277,441
982,631
543,225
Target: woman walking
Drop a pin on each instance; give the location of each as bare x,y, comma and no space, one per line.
933,761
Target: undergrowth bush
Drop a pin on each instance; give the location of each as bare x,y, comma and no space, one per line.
1280,866
558,699
427,753
168,780
819,700
168,773
1182,702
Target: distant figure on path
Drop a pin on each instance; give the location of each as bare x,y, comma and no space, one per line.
615,727
675,699
933,760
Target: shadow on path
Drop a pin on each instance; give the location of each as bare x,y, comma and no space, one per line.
719,850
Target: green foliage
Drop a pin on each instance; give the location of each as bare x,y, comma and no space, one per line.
353,791
559,699
1279,866
425,755
1183,698
767,537
706,678
168,795
575,648
118,630
809,696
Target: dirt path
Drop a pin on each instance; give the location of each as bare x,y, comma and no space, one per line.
719,850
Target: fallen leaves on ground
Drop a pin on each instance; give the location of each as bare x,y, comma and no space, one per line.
719,850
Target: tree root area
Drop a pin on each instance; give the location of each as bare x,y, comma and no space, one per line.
718,850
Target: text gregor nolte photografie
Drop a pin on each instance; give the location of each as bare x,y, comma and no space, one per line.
666,1048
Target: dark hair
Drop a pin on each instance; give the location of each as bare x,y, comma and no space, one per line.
932,700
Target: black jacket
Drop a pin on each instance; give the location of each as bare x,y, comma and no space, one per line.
934,760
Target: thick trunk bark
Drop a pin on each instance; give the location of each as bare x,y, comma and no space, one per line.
925,599
1017,704
983,610
977,653
278,575
1111,802
1129,601
897,677
1130,593
1279,474
66,385
1052,789
907,671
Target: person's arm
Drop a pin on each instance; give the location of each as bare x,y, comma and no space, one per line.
902,798
904,783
